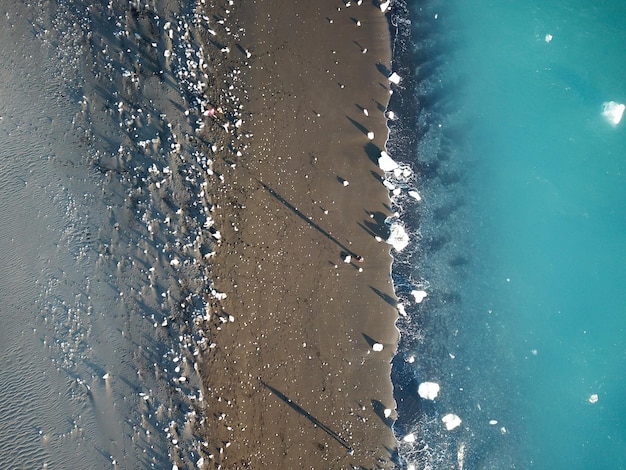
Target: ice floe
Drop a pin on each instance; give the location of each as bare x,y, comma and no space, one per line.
386,163
428,390
451,421
395,78
613,112
398,238
419,295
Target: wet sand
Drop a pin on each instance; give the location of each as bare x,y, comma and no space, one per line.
175,290
291,379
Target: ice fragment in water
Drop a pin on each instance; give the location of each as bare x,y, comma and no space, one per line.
451,421
386,163
410,438
428,390
398,238
593,398
395,78
419,295
613,112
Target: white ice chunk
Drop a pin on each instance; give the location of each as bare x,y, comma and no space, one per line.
613,112
428,390
387,412
401,310
377,347
370,135
414,194
451,421
593,398
395,78
384,6
548,37
386,163
410,438
398,238
419,295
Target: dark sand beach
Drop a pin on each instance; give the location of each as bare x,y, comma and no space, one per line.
191,179
292,380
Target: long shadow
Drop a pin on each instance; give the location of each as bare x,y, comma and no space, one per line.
358,125
309,416
295,210
373,152
379,409
386,297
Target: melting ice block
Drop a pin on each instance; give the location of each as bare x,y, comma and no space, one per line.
386,163
428,390
398,238
419,295
451,421
395,78
410,438
593,398
613,112
377,347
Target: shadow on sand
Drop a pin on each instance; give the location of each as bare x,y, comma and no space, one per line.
309,416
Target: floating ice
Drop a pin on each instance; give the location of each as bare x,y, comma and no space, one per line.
401,309
548,37
419,295
398,238
410,438
377,347
384,6
451,421
386,163
493,422
414,194
593,398
428,390
613,111
395,78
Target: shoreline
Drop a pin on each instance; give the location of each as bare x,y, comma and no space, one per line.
292,377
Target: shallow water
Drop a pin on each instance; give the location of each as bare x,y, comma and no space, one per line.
520,235
102,280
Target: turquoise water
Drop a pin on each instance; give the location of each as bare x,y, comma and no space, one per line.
548,220
520,238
